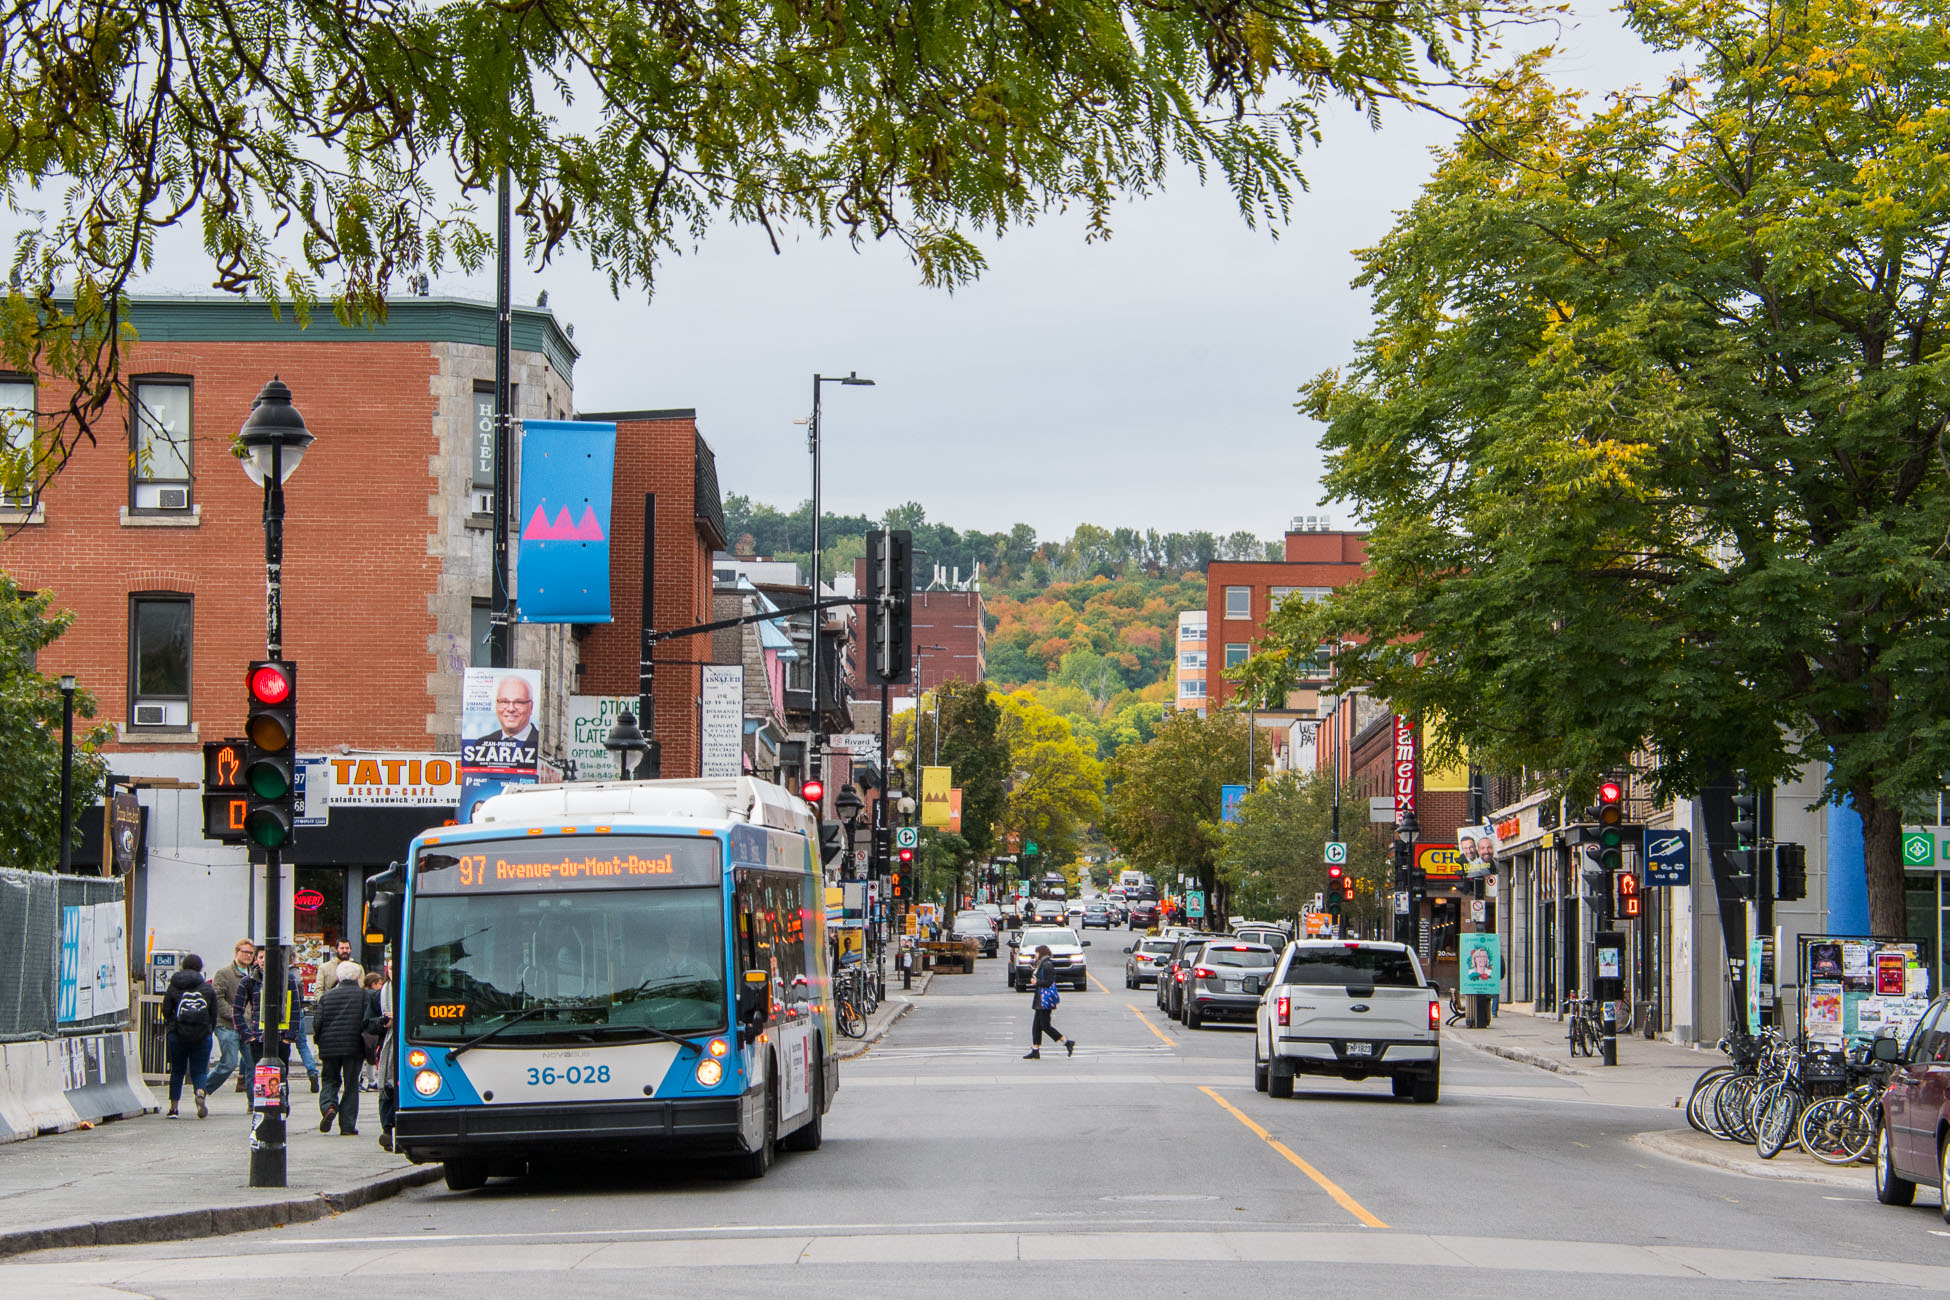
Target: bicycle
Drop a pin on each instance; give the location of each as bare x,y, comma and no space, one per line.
848,1004
1842,1130
1778,1107
1584,1030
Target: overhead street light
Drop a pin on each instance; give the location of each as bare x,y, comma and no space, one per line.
850,380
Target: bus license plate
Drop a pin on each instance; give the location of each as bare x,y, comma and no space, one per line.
1360,1049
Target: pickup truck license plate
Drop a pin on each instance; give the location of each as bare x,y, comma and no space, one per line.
1360,1049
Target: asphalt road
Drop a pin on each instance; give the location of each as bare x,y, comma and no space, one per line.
1144,1165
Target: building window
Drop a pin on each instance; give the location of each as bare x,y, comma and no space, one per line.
1192,659
161,470
1191,632
159,661
480,630
1236,653
16,439
798,674
1239,602
1194,689
1278,594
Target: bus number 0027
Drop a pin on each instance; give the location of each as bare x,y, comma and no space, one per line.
548,1075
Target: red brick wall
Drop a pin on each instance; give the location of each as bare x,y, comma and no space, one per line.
657,456
357,571
950,619
1313,560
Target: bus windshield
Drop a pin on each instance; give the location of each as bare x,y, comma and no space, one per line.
500,931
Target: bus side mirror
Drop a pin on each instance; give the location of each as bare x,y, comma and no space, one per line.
754,1003
383,910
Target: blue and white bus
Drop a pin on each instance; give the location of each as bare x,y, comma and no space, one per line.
615,969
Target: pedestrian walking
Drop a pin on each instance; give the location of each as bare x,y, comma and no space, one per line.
229,1049
248,1009
303,1013
379,1025
378,1003
1046,999
189,1009
342,1050
328,970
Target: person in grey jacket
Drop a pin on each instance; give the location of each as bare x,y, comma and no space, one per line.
340,1034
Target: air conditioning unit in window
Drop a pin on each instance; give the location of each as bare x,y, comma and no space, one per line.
150,715
173,498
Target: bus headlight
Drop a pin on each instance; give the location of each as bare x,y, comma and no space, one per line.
709,1071
426,1083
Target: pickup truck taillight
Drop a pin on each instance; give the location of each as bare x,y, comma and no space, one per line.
1435,1015
1283,1008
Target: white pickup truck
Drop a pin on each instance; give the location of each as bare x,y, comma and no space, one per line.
1352,1009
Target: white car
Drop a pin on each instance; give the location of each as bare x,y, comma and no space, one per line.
1352,1009
1066,953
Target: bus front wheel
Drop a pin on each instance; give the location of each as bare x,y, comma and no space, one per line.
753,1164
465,1175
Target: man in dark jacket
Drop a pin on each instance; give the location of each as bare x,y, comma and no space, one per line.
190,1016
340,1034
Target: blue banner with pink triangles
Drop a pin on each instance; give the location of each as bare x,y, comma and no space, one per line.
568,470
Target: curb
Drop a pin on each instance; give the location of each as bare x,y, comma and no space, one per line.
860,1046
1670,1146
1521,1055
218,1221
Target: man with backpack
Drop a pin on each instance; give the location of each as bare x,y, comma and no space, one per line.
189,1018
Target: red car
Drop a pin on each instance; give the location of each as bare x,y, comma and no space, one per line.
1913,1138
1144,914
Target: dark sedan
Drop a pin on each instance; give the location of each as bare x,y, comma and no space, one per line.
1910,1147
1144,914
1097,915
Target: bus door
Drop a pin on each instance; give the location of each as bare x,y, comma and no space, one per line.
770,919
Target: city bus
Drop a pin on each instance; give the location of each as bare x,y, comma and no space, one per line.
631,969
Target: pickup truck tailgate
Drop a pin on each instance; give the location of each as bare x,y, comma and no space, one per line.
1322,1011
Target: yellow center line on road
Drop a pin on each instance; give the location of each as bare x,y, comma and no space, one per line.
1325,1183
1101,986
1163,1037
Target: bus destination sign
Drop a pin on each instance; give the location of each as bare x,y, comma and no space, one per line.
609,862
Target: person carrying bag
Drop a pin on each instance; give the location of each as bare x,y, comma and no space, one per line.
1046,998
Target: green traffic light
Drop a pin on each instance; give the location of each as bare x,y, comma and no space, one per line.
267,827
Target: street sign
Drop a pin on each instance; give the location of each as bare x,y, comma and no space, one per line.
1401,902
1229,797
906,837
1668,857
1320,901
1336,853
1381,811
1919,849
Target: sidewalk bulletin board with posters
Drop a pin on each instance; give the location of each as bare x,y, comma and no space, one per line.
1856,988
500,743
1481,963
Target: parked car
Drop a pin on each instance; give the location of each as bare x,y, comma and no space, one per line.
1143,960
1273,936
1351,1009
1143,915
1225,981
1066,951
1097,915
976,925
1910,1147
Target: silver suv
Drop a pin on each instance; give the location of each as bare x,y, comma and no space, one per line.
1066,953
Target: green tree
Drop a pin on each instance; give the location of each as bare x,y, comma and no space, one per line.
1056,785
314,146
1650,424
1273,857
30,735
1163,808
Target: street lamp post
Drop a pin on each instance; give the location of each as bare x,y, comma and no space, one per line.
851,380
625,739
274,438
67,772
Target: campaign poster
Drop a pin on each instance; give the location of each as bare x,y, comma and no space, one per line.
1476,849
1892,979
1481,959
500,743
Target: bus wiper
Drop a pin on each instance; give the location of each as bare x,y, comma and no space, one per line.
635,1031
453,1053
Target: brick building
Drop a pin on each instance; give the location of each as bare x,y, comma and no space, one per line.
660,453
154,537
1240,595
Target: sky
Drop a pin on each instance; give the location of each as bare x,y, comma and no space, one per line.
1147,381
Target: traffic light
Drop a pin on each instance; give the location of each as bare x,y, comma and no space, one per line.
1629,898
1744,857
1347,889
271,752
889,597
1611,826
907,857
813,791
225,796
1791,868
1335,874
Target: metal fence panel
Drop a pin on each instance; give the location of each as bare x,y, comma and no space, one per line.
31,905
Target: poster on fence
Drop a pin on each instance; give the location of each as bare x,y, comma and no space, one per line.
93,973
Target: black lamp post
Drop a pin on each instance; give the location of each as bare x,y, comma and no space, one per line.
274,439
67,773
625,739
851,380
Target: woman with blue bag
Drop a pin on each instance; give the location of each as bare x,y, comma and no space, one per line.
1046,998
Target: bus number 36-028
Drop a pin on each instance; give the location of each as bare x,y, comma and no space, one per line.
549,1075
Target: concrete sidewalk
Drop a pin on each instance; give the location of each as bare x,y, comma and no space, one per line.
1653,1075
896,1004
158,1179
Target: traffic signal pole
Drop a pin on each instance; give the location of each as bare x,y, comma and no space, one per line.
268,1100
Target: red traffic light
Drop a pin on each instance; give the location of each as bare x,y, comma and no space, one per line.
270,684
1334,873
1610,792
813,791
907,856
